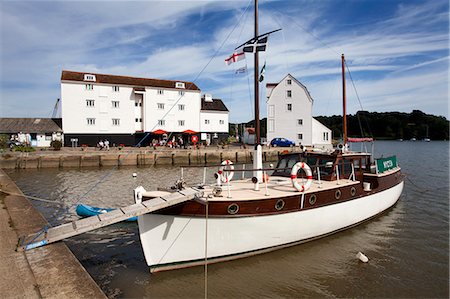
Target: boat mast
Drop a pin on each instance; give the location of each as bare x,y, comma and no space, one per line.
344,103
256,75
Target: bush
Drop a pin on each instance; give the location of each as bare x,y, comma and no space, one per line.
4,140
56,144
23,148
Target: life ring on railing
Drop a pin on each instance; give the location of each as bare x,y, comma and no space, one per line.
307,170
225,178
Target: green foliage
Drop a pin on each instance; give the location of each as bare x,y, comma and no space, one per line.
389,125
4,140
23,148
56,144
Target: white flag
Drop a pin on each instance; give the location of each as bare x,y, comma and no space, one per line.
236,56
241,70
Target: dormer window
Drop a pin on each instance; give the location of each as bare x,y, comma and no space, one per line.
179,85
88,77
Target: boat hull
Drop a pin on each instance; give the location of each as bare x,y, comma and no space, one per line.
171,241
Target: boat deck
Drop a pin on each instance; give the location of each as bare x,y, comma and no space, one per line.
276,187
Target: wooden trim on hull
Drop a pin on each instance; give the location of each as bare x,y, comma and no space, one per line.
194,263
291,203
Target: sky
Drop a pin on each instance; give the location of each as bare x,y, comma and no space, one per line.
397,51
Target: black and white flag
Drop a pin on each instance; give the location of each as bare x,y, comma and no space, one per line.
253,46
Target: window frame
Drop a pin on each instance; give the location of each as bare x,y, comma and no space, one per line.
90,101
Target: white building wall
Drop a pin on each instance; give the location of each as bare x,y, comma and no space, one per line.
75,111
321,135
284,123
210,121
177,105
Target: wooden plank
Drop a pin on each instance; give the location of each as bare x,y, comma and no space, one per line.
136,208
88,221
153,202
111,215
91,223
55,232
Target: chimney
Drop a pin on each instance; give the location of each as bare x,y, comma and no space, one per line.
208,97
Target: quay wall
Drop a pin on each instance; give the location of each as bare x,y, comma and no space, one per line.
50,271
68,158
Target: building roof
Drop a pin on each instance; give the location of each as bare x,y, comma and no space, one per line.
30,125
298,82
124,80
215,105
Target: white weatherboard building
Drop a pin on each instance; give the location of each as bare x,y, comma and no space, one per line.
124,109
289,114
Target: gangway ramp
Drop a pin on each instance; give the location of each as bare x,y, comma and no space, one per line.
77,227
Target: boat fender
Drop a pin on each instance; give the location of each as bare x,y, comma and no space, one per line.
362,257
307,170
229,174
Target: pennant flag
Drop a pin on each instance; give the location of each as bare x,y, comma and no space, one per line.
263,70
254,45
241,70
236,56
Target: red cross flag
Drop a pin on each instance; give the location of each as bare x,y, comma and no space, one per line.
235,57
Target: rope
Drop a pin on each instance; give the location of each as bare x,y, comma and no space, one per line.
304,29
31,197
357,96
420,189
206,247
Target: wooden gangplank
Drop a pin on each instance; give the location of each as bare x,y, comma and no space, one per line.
77,227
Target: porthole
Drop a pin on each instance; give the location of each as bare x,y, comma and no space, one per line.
233,209
279,205
312,199
353,191
337,194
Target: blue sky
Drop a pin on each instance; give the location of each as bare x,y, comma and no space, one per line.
397,51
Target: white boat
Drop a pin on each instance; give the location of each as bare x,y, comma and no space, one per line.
239,218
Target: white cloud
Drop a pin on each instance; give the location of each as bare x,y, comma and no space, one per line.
393,60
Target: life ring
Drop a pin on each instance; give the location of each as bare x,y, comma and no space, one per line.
307,170
225,178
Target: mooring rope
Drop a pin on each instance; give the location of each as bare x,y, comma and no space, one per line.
206,247
31,197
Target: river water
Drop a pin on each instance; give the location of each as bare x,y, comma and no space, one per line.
408,246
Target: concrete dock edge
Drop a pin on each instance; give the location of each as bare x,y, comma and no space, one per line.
51,271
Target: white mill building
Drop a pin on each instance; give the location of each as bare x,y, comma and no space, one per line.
289,115
124,109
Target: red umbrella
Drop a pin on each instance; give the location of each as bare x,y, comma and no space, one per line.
190,132
159,132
